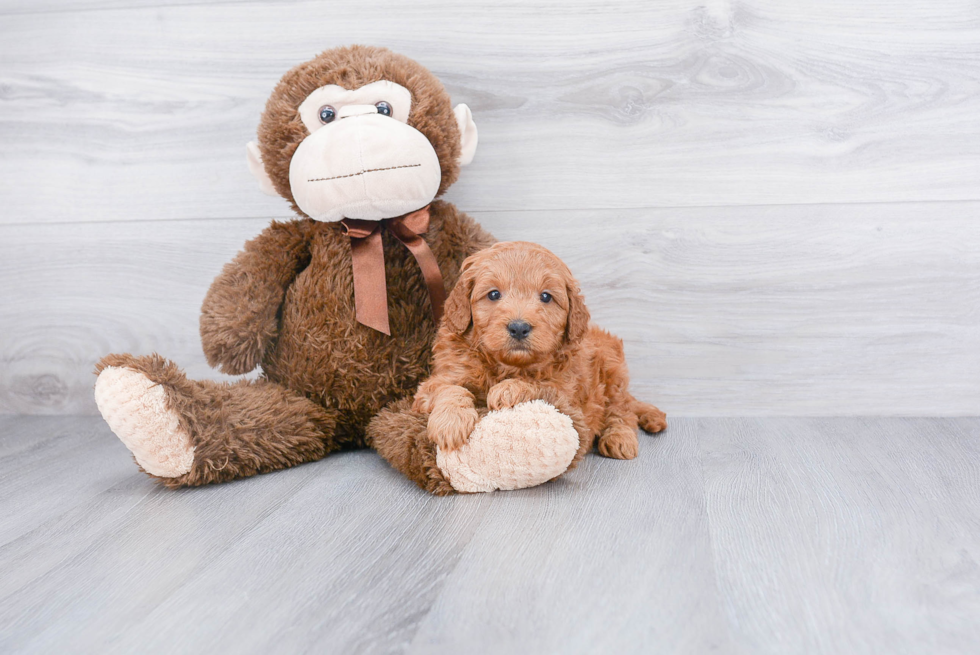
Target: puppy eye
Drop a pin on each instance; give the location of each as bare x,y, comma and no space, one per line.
327,114
545,296
494,295
384,108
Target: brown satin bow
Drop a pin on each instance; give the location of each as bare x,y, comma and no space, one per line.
367,253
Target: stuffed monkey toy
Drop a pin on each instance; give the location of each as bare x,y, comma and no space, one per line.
339,306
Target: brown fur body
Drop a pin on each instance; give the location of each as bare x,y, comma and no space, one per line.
286,302
563,359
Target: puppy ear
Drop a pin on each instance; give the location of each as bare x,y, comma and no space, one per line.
578,313
457,315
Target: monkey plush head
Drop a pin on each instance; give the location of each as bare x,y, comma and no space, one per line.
360,132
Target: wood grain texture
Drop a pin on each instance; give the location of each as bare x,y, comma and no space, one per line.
815,310
142,113
78,292
8,7
773,204
881,516
614,558
731,535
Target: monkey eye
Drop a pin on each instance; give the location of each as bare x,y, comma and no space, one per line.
327,114
384,108
494,295
545,296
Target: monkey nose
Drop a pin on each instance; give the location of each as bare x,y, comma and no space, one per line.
519,329
356,110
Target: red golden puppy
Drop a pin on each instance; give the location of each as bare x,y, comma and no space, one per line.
516,329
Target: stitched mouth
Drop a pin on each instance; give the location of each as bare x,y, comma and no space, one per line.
369,170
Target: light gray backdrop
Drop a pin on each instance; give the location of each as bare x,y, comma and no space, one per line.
773,203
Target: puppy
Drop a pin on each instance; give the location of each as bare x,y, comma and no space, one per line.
516,329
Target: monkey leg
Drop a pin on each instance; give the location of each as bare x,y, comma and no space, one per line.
187,433
514,448
399,435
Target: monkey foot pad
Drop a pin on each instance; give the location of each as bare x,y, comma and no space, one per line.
512,449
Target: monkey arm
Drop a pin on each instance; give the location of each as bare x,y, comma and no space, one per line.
478,238
239,317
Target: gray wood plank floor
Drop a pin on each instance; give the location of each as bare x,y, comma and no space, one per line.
774,535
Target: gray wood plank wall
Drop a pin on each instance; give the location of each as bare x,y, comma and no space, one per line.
773,203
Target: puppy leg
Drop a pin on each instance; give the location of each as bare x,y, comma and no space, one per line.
650,418
618,437
511,392
617,434
453,416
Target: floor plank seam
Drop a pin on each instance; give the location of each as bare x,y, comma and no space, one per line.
721,605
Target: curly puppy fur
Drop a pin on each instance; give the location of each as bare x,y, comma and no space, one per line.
516,329
286,302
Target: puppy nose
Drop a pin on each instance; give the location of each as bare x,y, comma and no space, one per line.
519,329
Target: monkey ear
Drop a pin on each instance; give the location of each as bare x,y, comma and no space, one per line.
467,134
253,157
578,313
457,315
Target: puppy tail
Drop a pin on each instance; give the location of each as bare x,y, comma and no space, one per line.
649,417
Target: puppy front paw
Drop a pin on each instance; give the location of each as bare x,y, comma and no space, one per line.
422,404
509,393
425,396
450,428
619,443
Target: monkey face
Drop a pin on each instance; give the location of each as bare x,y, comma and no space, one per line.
362,159
356,147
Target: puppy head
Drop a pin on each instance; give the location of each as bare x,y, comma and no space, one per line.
519,301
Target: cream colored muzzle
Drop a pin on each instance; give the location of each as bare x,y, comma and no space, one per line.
363,165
